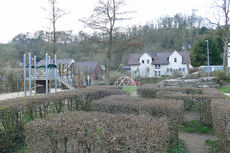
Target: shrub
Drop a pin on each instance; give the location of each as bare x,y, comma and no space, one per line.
194,98
221,122
114,75
150,91
194,126
220,75
86,132
122,104
199,103
15,113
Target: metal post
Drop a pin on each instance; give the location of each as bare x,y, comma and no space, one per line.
35,73
24,74
208,57
55,73
30,92
46,73
49,60
17,80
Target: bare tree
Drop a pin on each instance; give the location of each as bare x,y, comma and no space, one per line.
222,12
104,18
54,14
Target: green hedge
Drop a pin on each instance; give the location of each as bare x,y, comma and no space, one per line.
221,122
198,99
117,104
86,132
15,113
150,91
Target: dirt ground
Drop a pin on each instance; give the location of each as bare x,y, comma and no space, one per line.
195,142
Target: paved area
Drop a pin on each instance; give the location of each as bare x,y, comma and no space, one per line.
20,94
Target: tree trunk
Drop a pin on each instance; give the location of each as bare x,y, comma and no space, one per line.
187,61
225,54
109,56
54,33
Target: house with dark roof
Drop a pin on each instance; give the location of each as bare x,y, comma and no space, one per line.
156,64
89,71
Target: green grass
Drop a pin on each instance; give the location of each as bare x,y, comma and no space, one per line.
177,148
224,89
131,90
214,146
196,127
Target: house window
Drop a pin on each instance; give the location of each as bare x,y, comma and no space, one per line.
143,61
180,69
152,59
168,69
183,69
175,60
148,61
155,73
157,66
159,73
171,69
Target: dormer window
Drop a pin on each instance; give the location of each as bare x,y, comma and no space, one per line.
175,60
152,59
148,61
157,66
143,61
168,59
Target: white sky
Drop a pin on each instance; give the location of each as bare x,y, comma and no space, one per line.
20,16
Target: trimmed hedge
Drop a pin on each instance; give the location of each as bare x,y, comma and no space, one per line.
221,122
15,113
201,103
117,104
86,132
194,98
150,91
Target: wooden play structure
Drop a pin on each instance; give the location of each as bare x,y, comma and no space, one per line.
42,76
125,81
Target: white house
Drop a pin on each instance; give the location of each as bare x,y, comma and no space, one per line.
157,64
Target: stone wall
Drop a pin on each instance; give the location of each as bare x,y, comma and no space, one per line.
204,82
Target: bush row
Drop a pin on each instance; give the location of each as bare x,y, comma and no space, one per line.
200,103
194,98
86,132
221,122
16,112
150,91
117,104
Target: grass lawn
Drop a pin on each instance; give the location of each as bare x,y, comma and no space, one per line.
131,90
196,127
214,146
224,89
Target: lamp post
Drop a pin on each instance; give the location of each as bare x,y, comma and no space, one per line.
208,56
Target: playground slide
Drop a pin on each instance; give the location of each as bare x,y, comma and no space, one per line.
63,81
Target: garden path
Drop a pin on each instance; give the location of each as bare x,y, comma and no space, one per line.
195,142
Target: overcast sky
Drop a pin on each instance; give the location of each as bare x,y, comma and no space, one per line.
20,16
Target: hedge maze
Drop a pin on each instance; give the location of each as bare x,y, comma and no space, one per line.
105,119
211,104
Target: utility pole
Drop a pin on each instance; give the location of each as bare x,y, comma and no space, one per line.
208,56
